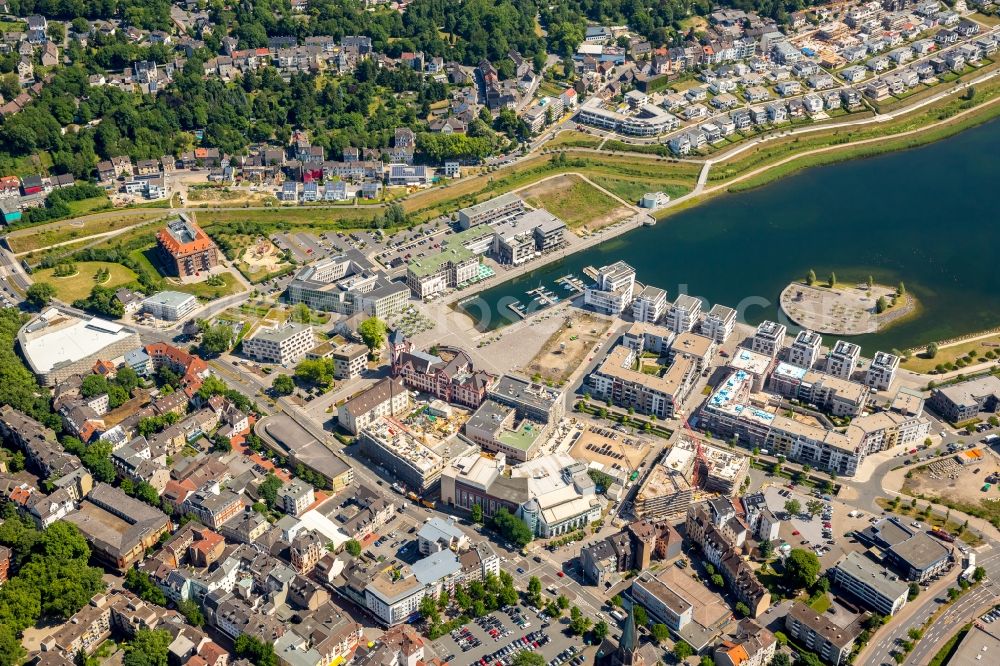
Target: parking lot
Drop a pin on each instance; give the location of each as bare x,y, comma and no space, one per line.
499,636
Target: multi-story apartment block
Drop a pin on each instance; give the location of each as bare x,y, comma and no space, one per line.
683,314
752,645
283,344
493,210
804,352
613,291
386,398
840,397
392,445
842,360
882,371
649,305
719,323
169,305
296,497
768,339
187,247
616,380
831,642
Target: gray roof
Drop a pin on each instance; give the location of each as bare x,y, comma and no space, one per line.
921,551
436,566
877,577
438,529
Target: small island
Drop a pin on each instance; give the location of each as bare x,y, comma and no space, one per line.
845,309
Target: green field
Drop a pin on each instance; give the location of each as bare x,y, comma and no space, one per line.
633,190
84,206
69,289
573,139
206,291
44,235
920,363
572,199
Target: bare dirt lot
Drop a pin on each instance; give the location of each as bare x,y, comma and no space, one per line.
947,478
568,347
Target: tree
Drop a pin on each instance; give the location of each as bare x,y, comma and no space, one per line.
148,648
932,350
511,527
528,658
793,507
579,623
871,282
373,333
143,586
477,514
283,385
801,568
814,507
881,305
616,601
353,547
222,443
191,612
811,277
780,659
600,631
682,650
563,602
953,593
535,591
641,618
781,638
428,609
718,580
257,651
40,294
978,574
93,385
901,289
832,280
659,632
766,548
215,339
316,371
742,609
706,661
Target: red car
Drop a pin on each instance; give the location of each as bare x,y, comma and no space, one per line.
795,533
560,574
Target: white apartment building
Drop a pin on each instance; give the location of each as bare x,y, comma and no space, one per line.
842,360
804,352
296,497
683,313
387,398
871,584
882,371
613,291
719,323
649,305
768,339
284,344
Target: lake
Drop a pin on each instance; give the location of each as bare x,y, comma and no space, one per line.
924,216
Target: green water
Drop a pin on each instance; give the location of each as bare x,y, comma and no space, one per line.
925,216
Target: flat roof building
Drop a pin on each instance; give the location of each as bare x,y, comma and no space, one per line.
871,584
59,343
882,371
348,284
169,305
842,360
613,290
283,344
817,633
388,397
966,400
492,210
391,444
683,314
768,339
719,323
804,352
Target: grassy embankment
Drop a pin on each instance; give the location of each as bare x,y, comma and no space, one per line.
973,351
45,235
79,284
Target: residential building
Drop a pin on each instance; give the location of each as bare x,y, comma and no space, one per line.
719,323
493,210
804,352
613,291
816,633
751,645
871,584
768,339
633,549
842,360
882,371
386,398
649,305
437,534
837,396
683,314
187,248
661,396
296,497
214,505
283,344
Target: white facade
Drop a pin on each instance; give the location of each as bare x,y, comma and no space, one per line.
882,371
804,352
843,359
283,345
719,323
768,339
683,313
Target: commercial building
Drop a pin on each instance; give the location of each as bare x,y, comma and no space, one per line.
386,398
982,639
913,553
804,352
683,314
350,359
522,237
119,528
392,445
871,584
283,344
757,366
497,428
633,549
842,360
966,400
882,371
613,290
456,265
532,400
661,396
59,343
448,374
768,339
169,305
552,494
187,248
348,284
818,634
690,610
718,323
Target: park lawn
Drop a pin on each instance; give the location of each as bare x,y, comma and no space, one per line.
572,199
207,292
573,139
822,603
44,235
919,363
69,289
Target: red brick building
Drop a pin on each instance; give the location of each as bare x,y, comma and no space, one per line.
187,247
